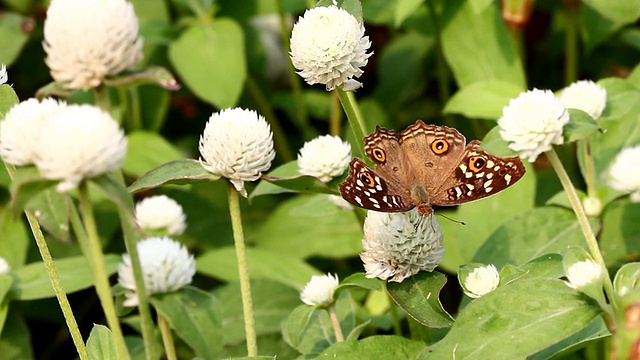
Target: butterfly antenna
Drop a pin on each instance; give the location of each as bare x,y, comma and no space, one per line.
454,220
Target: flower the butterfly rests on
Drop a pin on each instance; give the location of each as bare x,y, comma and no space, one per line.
425,165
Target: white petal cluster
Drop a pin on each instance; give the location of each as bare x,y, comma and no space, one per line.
583,273
532,122
20,129
319,290
624,173
324,157
166,266
161,212
4,266
3,74
399,245
87,40
585,95
481,281
328,47
79,142
237,144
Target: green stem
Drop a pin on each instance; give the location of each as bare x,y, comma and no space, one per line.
355,118
243,271
441,64
583,221
167,338
335,117
589,172
571,44
101,94
395,319
130,100
335,323
100,277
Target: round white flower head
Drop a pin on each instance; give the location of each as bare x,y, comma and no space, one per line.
585,95
161,212
4,266
166,266
624,173
324,157
237,144
3,74
20,129
532,122
592,206
87,40
340,202
481,281
399,245
79,142
583,273
328,47
319,290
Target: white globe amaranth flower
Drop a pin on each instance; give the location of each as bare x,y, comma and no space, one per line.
3,74
161,212
237,144
87,40
319,290
166,266
328,46
399,245
481,281
585,95
79,142
592,206
624,172
583,273
324,157
532,122
4,266
20,129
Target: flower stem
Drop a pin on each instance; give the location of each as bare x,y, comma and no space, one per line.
353,115
589,173
167,338
583,221
335,323
243,271
571,41
335,116
441,64
100,277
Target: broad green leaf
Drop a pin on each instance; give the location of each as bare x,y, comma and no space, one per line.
624,11
27,184
404,9
530,235
15,239
594,331
579,126
307,226
32,280
294,325
547,266
352,6
221,263
6,282
483,99
15,340
627,278
359,280
419,297
51,209
8,99
148,150
210,59
516,320
286,178
181,171
478,46
195,316
100,344
595,28
15,30
396,347
620,238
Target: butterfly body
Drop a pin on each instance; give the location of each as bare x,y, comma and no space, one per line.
425,165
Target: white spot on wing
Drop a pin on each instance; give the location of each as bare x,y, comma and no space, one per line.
507,178
488,183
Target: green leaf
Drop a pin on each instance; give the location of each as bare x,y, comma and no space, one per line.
100,344
51,209
181,172
16,239
530,235
6,282
114,191
624,11
579,126
312,225
516,320
404,9
221,263
210,59
285,178
8,99
195,316
148,150
295,324
32,281
359,280
547,266
483,99
156,75
353,7
15,341
627,277
594,331
419,297
478,46
373,346
27,184
620,238
15,30
495,144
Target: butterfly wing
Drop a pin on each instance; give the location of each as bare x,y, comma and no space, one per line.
366,189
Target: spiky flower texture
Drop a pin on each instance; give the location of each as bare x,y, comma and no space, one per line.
324,157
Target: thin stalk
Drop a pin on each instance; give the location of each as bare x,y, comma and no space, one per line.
101,280
571,44
130,99
589,172
353,115
167,338
335,116
243,271
583,221
441,64
101,94
335,323
395,319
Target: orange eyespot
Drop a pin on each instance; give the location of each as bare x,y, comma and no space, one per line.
440,146
367,179
477,163
379,155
